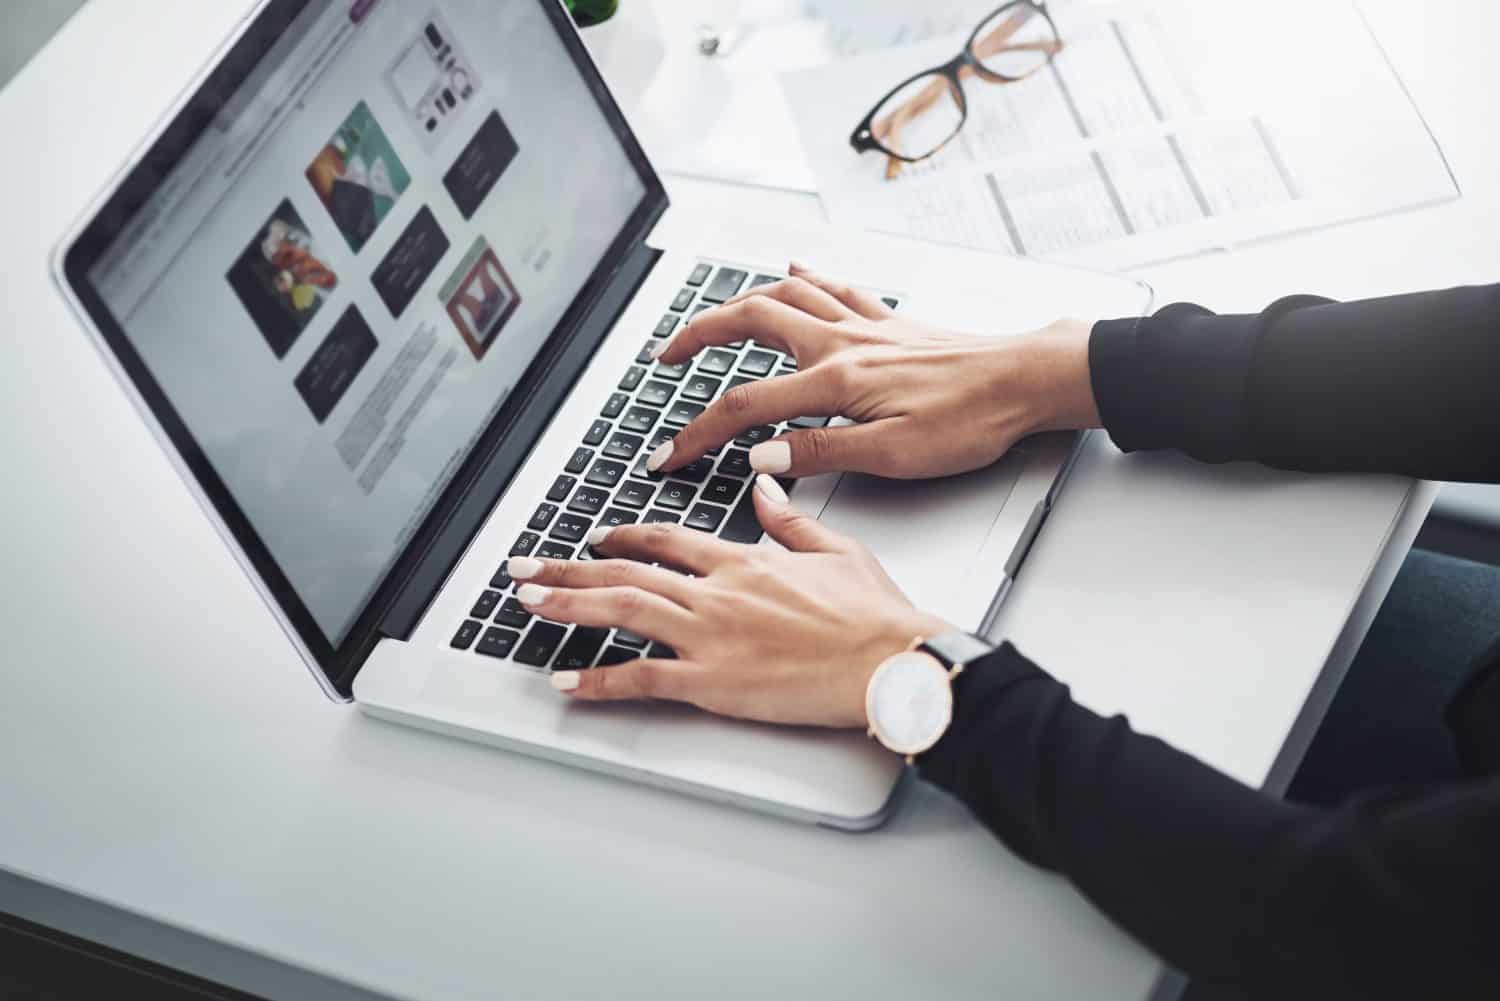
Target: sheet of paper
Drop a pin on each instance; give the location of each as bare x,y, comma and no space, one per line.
1155,134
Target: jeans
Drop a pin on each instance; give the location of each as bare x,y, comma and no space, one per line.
1385,726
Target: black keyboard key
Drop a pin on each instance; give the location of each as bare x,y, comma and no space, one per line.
615,517
640,470
497,642
751,437
682,300
634,494
760,280
700,388
696,471
632,378
512,613
656,393
661,651
756,363
639,419
550,550
560,488
738,380
890,301
617,655
466,634
807,422
579,460
542,518
743,525
700,308
683,412
725,284
657,514
788,363
735,463
722,490
717,362
645,356
706,517
581,648
672,372
571,528
589,500
663,434
665,326
624,446
501,580
675,495
540,643
629,638
700,274
615,406
525,543
598,431
605,473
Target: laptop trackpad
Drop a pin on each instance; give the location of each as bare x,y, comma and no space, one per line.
928,534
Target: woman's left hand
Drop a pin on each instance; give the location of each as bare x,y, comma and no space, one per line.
782,636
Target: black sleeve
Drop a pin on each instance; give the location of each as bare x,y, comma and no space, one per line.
1395,895
1406,384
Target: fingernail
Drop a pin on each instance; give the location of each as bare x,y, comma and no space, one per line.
596,537
661,455
523,567
660,348
770,457
798,266
772,491
532,594
565,681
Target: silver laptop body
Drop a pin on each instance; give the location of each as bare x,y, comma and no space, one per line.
381,283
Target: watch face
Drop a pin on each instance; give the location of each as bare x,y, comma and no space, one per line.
909,702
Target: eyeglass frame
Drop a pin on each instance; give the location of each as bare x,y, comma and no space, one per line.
863,137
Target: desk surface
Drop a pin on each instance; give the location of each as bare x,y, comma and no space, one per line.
174,784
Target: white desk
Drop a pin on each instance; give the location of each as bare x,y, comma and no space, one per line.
174,785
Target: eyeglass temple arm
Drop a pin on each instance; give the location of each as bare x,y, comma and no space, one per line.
992,43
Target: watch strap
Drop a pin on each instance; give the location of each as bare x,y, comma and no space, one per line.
956,647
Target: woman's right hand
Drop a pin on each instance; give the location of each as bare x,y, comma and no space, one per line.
927,402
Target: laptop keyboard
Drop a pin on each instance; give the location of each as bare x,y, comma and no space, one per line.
605,483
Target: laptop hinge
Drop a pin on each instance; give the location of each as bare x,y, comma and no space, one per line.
426,579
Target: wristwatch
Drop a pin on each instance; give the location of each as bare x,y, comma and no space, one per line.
909,701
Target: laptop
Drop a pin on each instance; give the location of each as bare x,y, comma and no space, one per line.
384,284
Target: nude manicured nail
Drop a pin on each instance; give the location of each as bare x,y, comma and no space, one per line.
660,348
523,567
663,453
770,457
532,594
771,489
799,266
565,681
596,537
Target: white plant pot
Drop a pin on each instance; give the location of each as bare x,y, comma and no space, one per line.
629,49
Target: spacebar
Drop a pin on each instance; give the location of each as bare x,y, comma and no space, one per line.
742,525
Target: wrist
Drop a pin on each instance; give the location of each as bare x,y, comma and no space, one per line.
1061,386
891,638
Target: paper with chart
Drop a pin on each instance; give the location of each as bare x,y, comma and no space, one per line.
1154,135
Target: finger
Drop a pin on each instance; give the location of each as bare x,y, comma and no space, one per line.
581,574
800,294
758,318
764,401
627,607
662,542
634,679
799,532
854,448
864,303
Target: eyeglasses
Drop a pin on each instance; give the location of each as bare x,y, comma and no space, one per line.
922,114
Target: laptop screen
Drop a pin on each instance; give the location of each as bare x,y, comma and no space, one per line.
344,275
